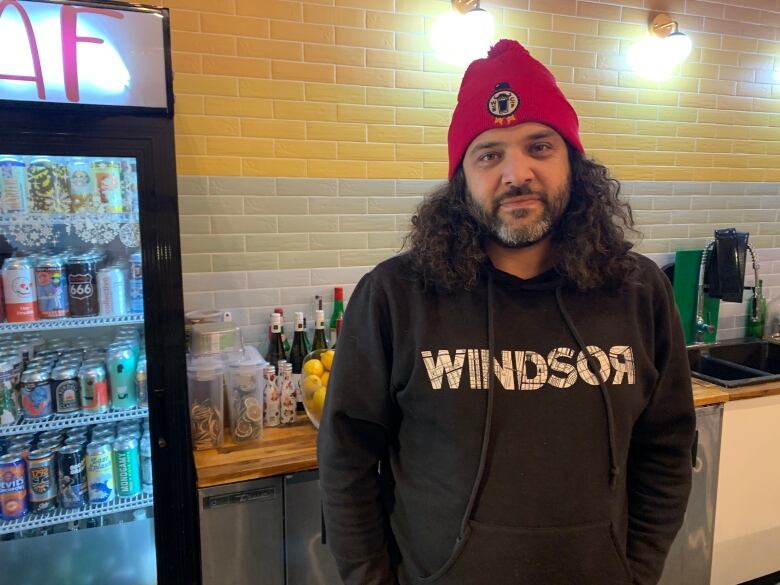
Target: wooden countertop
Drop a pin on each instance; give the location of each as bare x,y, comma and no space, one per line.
281,450
294,448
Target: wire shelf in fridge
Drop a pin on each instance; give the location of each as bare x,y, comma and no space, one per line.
73,323
60,515
76,419
37,218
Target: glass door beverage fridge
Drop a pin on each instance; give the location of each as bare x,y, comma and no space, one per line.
96,475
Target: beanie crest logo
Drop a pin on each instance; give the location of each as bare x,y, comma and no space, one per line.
503,104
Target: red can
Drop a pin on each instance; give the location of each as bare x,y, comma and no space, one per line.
19,287
13,487
2,299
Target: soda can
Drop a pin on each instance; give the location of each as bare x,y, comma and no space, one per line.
2,299
127,470
140,381
9,400
19,290
129,184
145,451
51,435
93,381
112,291
36,393
83,191
51,285
13,185
36,342
71,476
13,487
104,435
48,186
108,182
82,285
120,361
100,472
271,402
42,480
136,283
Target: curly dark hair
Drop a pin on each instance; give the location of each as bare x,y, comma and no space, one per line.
446,243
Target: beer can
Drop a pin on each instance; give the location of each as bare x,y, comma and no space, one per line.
140,381
145,451
127,470
51,435
19,290
13,487
112,291
51,285
71,476
48,186
36,393
120,362
100,472
2,299
36,342
271,402
9,400
83,191
82,285
93,381
104,435
65,387
108,182
42,480
13,185
136,283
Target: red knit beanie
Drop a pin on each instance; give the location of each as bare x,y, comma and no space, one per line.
508,87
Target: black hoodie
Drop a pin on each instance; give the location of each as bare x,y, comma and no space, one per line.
435,471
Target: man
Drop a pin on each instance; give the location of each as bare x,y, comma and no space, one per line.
511,400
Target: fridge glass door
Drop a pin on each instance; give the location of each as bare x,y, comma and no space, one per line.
76,495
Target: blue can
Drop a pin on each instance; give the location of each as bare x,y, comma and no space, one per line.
136,283
51,283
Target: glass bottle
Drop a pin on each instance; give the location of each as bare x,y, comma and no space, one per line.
285,341
276,350
319,331
337,316
755,328
298,349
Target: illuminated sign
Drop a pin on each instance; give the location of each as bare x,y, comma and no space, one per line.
79,54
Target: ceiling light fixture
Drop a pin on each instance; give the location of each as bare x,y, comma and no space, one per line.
463,34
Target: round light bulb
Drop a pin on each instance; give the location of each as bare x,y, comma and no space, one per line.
459,39
678,46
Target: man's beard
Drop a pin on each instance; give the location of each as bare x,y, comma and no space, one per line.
508,236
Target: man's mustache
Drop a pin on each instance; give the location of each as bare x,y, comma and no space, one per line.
517,191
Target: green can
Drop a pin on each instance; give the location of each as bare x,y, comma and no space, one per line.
127,468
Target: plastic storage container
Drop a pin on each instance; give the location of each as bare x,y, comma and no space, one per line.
245,400
205,381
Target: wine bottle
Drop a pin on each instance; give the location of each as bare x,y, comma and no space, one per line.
276,350
285,341
337,316
298,350
319,331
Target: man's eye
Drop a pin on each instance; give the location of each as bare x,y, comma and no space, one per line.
539,148
488,156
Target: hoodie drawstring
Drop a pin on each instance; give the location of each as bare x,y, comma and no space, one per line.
614,468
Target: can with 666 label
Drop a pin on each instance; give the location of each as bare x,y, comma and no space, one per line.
82,285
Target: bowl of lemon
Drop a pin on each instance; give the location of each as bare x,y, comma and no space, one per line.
314,382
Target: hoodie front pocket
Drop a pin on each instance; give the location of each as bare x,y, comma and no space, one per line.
585,554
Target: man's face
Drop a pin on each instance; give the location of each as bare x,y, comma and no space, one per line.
518,182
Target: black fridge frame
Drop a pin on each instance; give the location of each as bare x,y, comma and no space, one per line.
146,134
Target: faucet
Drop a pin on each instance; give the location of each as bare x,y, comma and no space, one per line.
702,326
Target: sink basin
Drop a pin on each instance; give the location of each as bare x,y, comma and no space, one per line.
736,363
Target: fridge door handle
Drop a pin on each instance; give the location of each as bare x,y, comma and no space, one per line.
695,448
323,536
160,407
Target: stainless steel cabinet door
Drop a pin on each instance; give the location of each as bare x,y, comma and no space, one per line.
309,561
690,559
242,533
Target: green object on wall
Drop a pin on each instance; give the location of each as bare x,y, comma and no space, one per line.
685,287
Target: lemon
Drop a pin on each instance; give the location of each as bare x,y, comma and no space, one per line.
318,401
311,384
324,378
313,367
327,358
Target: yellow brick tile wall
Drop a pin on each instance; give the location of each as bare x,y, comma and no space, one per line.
336,73
317,90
